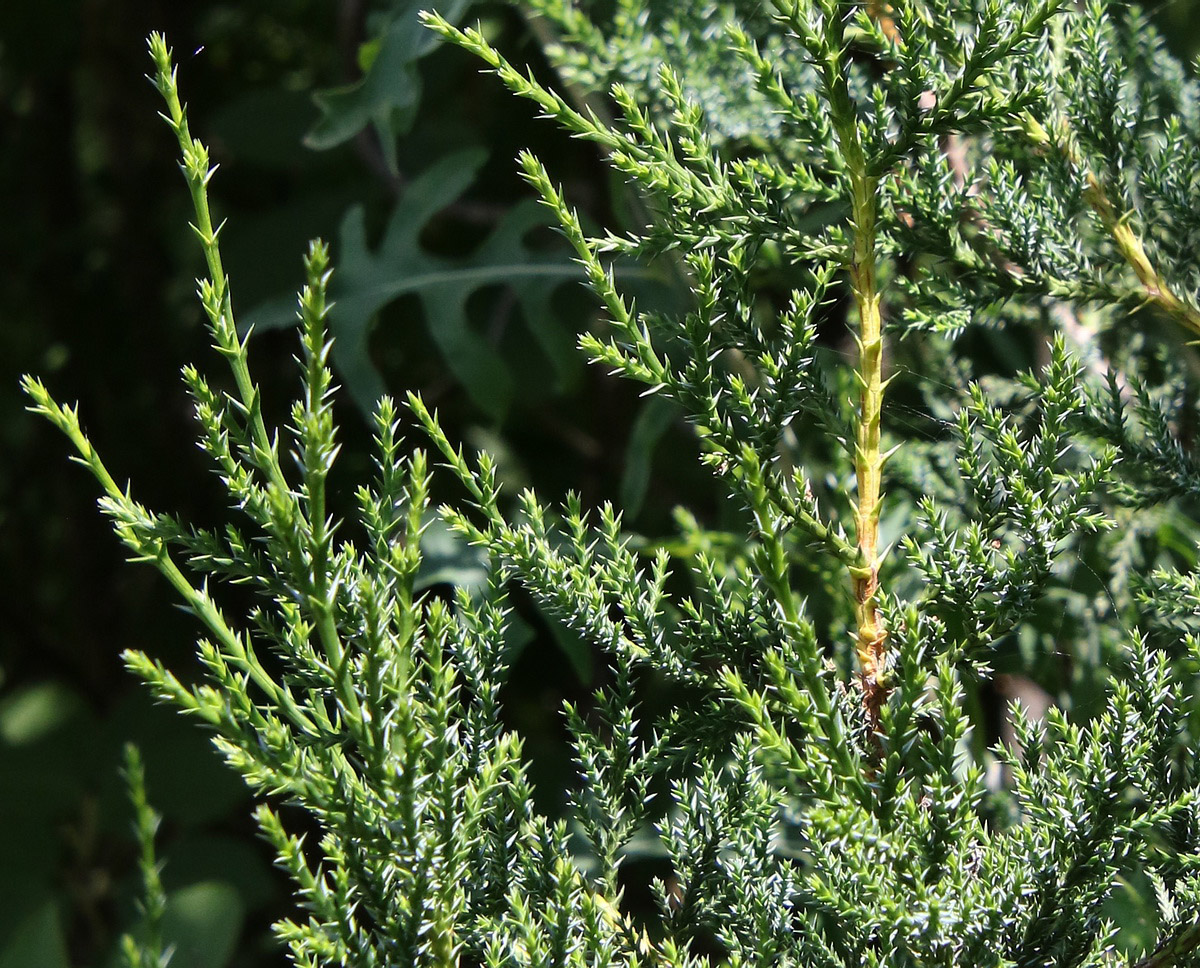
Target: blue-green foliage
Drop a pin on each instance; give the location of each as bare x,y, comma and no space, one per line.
995,157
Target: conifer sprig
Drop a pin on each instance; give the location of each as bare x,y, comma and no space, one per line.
377,710
814,787
145,949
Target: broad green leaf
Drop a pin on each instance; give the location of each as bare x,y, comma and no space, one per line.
1132,908
202,924
38,942
234,860
36,711
389,93
655,417
575,648
368,279
185,776
265,127
446,559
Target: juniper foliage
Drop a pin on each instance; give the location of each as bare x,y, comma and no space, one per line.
817,788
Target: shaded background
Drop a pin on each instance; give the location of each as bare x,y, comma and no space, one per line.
98,269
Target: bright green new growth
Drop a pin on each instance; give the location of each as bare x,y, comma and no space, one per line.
817,789
145,951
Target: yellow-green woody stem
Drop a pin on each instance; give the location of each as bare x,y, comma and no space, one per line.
1134,252
1174,952
1119,225
871,636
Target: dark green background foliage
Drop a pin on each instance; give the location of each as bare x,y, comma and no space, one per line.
343,121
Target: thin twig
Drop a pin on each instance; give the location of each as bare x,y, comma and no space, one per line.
1172,953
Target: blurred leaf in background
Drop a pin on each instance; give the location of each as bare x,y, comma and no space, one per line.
388,93
367,281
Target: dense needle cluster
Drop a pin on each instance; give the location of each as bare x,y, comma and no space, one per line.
820,790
